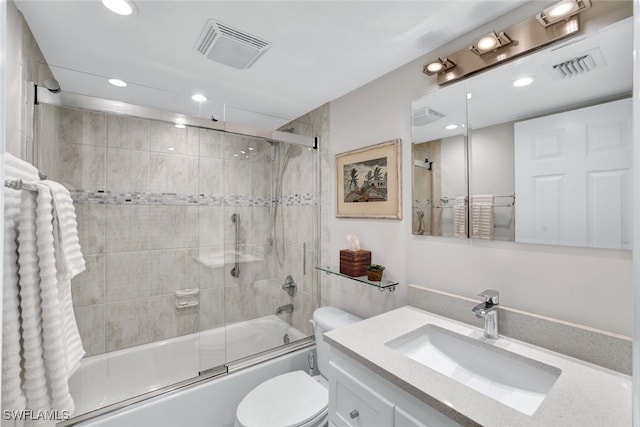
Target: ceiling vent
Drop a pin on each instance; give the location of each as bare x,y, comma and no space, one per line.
578,65
425,115
227,45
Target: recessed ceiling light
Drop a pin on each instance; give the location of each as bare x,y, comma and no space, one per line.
198,97
118,82
180,125
469,95
451,126
250,148
171,149
523,81
121,7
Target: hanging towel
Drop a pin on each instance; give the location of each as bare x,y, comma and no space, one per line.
460,217
482,216
13,396
69,263
42,346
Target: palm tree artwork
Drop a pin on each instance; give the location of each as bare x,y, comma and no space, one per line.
374,181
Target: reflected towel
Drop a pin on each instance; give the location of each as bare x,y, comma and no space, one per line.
460,217
482,216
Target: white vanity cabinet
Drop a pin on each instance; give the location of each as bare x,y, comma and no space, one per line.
358,397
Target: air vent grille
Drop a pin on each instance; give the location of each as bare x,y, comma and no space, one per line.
242,37
578,65
425,116
227,45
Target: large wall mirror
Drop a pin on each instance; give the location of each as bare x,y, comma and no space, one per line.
549,145
439,163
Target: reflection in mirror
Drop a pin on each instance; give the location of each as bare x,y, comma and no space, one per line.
439,168
550,144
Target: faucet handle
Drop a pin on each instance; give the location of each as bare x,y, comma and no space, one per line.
490,296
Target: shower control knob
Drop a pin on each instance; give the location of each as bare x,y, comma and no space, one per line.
354,414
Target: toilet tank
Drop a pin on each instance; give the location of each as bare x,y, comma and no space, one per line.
327,319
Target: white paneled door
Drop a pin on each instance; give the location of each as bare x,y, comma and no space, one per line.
573,177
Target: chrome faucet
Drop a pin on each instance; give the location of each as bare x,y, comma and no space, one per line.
489,311
285,309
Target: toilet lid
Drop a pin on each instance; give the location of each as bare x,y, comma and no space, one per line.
287,400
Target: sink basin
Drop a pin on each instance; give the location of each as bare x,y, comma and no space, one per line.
514,380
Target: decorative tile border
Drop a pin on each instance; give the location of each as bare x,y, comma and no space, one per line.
144,198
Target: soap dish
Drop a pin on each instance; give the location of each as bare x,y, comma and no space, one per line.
187,298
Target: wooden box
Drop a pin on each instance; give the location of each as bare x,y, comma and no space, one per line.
354,263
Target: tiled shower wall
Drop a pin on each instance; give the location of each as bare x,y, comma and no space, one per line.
154,205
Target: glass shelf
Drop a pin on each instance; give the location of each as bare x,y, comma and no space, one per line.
382,285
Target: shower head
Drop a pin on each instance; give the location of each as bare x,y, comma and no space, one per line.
272,142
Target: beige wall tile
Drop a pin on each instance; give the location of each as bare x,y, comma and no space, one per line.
83,127
88,287
127,227
127,170
126,324
91,227
83,166
210,224
172,270
210,173
171,173
91,325
127,276
166,138
126,132
212,308
210,143
173,227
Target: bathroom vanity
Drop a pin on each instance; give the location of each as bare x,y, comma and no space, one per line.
382,374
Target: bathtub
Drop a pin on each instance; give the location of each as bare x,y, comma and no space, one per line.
112,377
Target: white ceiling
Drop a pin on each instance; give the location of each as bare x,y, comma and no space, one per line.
320,50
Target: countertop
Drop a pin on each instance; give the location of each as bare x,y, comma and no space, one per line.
583,395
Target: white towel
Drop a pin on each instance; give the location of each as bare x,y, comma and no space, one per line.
36,373
13,395
70,263
460,217
482,216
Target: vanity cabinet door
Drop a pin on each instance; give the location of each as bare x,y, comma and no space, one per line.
351,403
403,419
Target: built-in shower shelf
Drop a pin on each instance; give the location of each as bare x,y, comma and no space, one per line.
382,285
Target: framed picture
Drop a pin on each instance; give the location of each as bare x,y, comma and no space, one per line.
369,182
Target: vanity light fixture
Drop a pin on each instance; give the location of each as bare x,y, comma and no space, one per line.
438,66
121,7
451,126
562,11
118,82
198,97
523,81
490,42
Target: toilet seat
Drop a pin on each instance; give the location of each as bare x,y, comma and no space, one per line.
288,400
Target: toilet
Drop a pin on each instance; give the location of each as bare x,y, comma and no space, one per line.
296,399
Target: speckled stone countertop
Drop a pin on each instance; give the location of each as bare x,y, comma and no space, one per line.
583,395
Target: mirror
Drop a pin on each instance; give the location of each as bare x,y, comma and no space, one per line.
439,163
550,162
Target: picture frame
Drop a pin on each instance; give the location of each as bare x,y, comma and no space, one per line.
369,181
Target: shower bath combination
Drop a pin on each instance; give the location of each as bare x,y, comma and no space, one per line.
225,223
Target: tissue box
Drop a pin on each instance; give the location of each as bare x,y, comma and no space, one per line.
354,263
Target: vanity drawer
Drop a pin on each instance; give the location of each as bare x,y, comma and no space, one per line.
351,403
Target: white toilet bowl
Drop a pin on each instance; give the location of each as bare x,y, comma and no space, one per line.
295,399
